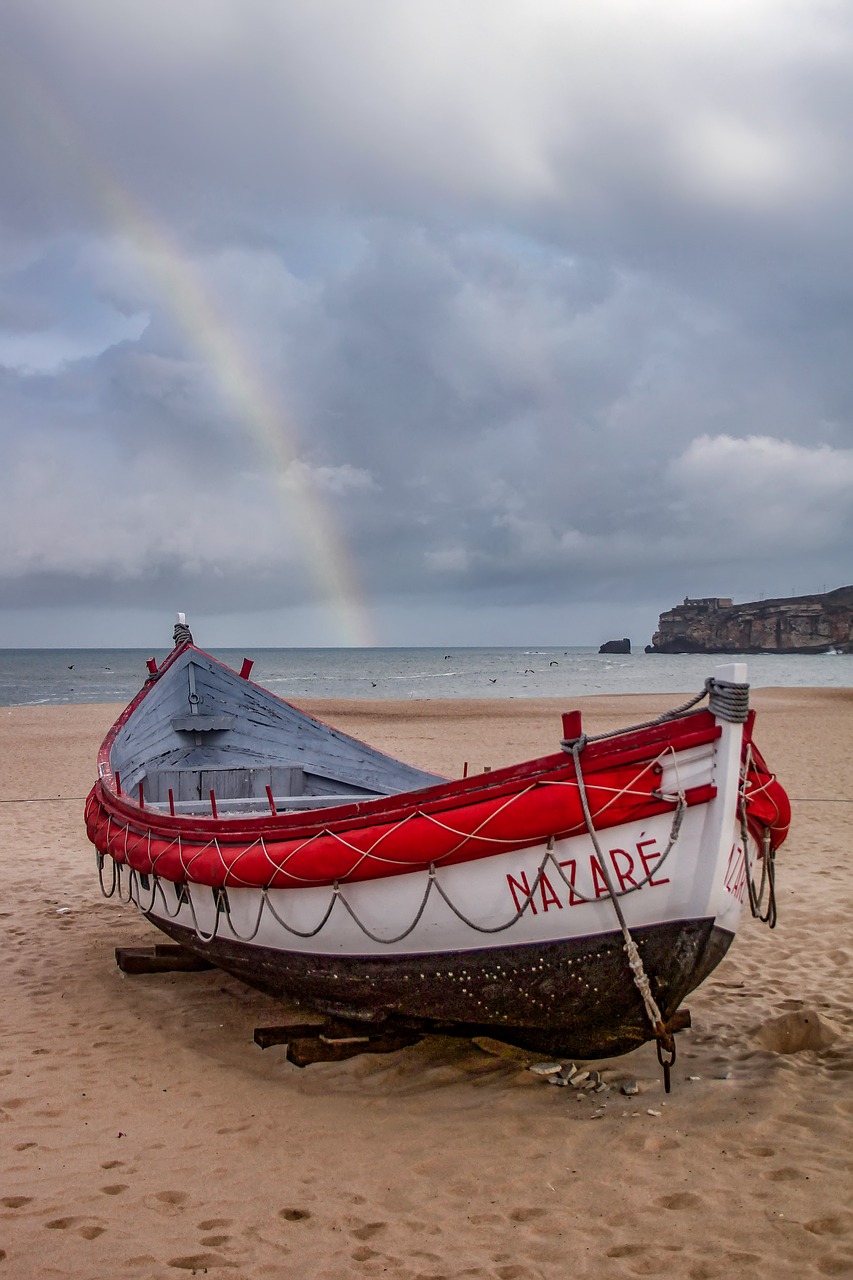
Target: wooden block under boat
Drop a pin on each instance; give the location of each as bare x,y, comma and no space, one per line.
303,1052
164,958
265,1037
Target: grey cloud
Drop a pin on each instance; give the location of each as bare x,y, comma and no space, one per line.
519,304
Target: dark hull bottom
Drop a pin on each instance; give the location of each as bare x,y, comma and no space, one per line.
574,998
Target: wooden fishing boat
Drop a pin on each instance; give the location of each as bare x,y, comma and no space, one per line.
566,904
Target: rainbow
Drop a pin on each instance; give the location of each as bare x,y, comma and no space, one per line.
256,408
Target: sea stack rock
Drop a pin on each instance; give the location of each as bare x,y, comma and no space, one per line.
616,646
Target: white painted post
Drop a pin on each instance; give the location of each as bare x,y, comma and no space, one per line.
726,777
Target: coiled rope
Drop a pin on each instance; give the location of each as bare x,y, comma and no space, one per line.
182,634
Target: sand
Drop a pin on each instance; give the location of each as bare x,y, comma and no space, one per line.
145,1135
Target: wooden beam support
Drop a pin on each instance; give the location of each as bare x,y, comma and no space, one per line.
164,958
333,1040
303,1052
265,1037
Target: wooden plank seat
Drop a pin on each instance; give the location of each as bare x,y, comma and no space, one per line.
254,804
244,788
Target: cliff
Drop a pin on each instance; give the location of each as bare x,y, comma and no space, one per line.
798,624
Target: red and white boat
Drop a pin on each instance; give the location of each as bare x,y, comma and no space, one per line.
567,904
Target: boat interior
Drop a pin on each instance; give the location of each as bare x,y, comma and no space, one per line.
205,740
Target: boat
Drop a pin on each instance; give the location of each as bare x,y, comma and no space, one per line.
566,904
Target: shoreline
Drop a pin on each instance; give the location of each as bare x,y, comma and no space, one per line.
146,1135
530,727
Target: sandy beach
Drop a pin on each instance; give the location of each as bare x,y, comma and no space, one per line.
146,1135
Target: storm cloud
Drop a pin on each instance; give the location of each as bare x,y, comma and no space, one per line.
486,323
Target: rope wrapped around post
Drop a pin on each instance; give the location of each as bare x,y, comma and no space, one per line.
728,701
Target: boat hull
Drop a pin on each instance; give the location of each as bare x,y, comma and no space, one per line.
569,998
566,904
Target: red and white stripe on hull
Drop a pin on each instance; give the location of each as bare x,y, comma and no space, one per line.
692,883
555,890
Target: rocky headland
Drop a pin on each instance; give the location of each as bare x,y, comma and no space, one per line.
795,624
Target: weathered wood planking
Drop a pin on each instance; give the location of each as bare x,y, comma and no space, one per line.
259,733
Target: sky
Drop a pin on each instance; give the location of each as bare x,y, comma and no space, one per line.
354,322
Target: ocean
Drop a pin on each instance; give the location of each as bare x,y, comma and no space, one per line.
35,677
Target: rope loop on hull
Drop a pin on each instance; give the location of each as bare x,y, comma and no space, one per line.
761,909
222,906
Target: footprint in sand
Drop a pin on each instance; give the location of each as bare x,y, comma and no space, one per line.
294,1215
830,1226
369,1230
61,1224
786,1174
526,1215
211,1224
166,1202
200,1261
114,1189
661,1144
832,1266
679,1200
91,1233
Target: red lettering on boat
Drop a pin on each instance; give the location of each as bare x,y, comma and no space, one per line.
650,858
599,881
735,880
524,887
549,897
626,878
574,900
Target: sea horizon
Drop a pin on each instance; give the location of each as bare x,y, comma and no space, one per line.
49,676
